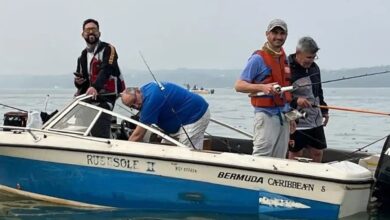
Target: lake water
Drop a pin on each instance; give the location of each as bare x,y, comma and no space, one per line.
345,130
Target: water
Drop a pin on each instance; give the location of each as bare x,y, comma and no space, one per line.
346,130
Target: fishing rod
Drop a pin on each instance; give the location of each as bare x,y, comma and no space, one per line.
13,107
352,109
166,98
232,128
350,77
150,71
280,89
226,143
350,155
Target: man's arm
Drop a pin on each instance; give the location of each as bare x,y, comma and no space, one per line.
254,69
138,134
246,87
324,111
79,81
321,97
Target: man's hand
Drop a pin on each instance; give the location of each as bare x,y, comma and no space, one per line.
326,119
138,134
79,80
92,91
303,103
269,89
293,126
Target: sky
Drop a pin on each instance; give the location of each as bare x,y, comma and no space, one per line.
44,36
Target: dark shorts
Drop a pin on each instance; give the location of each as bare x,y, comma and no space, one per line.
314,137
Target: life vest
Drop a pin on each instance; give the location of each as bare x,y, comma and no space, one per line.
111,84
280,73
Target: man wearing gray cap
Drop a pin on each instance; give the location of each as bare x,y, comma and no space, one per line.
266,70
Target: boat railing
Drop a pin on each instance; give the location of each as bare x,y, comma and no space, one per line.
246,134
38,130
80,100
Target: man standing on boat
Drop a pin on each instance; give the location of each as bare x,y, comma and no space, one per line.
267,69
310,130
98,73
179,112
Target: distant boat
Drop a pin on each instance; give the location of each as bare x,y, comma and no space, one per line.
202,91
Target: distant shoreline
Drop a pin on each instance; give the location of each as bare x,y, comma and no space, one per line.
207,78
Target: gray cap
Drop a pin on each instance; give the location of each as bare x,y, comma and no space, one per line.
277,23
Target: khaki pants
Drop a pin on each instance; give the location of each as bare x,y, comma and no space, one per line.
195,131
270,138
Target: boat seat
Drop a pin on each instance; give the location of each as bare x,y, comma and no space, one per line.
207,144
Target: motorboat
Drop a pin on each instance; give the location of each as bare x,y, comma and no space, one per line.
61,162
199,90
202,91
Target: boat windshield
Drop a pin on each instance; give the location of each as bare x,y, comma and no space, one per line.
77,120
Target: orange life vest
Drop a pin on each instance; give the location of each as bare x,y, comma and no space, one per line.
280,73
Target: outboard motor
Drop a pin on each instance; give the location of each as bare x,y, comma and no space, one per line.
382,175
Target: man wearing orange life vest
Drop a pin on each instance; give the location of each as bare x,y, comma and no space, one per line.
98,73
266,68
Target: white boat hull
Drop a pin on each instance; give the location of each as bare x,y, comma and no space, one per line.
144,176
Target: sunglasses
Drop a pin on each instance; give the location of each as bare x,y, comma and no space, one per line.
91,30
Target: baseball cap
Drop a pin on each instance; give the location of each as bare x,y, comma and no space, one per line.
277,23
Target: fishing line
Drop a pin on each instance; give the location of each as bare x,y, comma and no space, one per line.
126,109
349,156
8,106
360,149
293,88
346,78
226,143
166,99
311,137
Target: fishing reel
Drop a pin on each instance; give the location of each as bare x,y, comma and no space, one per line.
277,88
295,114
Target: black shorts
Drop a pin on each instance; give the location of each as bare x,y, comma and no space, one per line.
314,137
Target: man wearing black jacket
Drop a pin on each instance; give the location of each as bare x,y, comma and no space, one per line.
98,73
304,71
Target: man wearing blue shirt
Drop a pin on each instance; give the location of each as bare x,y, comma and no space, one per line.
266,68
172,108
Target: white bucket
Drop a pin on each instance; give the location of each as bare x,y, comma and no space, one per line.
34,119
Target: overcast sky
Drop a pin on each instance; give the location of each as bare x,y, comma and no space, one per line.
44,36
